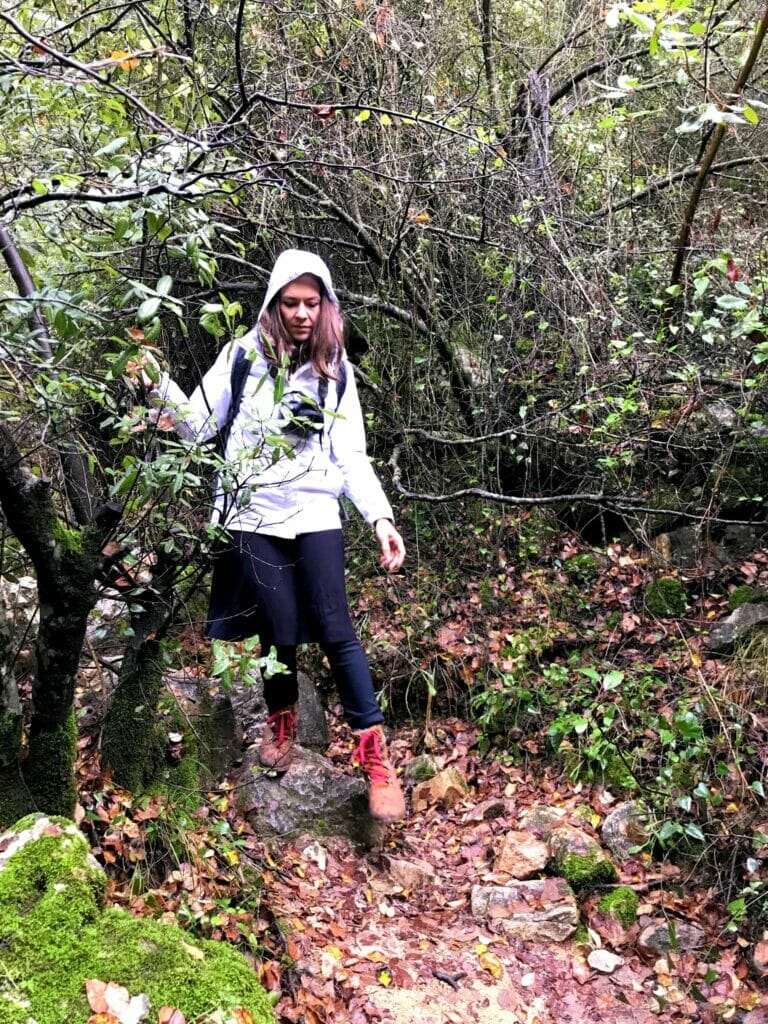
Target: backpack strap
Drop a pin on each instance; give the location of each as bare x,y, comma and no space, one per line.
341,387
241,366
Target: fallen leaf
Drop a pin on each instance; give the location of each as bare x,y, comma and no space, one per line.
491,963
168,1015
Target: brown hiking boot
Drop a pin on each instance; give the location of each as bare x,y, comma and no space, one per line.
385,797
276,749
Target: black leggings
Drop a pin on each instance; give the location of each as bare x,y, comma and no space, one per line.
351,674
290,591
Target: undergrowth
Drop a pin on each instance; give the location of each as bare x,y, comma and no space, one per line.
556,655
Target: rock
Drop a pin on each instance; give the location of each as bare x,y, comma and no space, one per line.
579,858
313,796
494,807
736,626
535,911
624,829
660,937
106,622
604,961
521,855
420,769
312,720
251,711
208,720
685,548
759,956
55,933
541,820
447,788
409,874
722,414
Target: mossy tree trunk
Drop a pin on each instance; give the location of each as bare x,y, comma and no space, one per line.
15,799
129,737
67,562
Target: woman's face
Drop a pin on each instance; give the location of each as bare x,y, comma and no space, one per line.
299,305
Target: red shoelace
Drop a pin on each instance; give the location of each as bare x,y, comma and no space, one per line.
283,724
370,758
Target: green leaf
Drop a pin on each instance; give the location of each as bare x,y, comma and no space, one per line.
112,146
363,116
698,28
164,285
731,302
750,114
147,309
613,679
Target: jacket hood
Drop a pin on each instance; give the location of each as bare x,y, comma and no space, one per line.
295,263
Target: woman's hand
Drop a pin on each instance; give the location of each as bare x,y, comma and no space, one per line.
392,546
144,370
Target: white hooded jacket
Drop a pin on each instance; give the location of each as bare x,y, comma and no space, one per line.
278,481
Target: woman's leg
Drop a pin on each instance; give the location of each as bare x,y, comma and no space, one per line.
281,690
261,585
352,675
320,572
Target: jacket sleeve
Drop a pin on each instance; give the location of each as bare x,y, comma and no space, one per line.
199,417
347,440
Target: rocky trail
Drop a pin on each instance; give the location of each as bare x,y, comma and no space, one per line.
433,924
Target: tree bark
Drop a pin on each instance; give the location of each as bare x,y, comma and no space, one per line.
67,562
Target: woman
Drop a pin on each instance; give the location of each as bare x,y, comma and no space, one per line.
295,441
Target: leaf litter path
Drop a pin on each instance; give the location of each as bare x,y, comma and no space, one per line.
388,935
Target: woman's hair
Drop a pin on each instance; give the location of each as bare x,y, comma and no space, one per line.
325,347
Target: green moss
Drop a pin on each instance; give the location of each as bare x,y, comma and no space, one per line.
622,904
68,538
49,771
586,872
665,597
420,769
54,935
15,798
617,776
129,744
581,935
744,595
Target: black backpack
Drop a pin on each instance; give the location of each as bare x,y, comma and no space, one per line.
241,366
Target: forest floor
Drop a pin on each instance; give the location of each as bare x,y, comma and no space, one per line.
565,677
337,940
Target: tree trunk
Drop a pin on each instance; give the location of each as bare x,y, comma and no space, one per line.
67,562
15,798
130,725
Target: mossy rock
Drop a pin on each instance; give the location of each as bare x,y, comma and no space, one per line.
55,934
420,769
580,860
585,873
621,904
665,597
745,595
